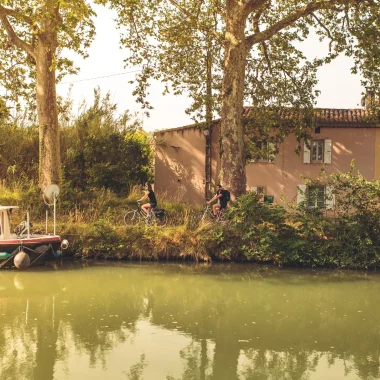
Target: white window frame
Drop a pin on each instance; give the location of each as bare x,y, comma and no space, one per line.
321,192
326,152
329,197
318,145
269,158
260,190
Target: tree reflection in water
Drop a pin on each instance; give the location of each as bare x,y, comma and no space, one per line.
223,322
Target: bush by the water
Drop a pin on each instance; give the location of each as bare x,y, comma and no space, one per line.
98,150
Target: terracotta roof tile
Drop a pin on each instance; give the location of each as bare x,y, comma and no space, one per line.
325,117
331,117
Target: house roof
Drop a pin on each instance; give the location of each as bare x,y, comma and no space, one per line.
324,117
329,117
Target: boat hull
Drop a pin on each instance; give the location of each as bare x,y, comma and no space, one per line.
39,249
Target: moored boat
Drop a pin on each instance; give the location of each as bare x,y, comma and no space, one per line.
23,248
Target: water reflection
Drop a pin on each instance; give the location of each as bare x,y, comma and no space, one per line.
188,322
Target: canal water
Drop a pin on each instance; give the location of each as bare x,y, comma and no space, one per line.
188,322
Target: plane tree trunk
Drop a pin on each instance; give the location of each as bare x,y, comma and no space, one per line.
41,51
46,97
232,149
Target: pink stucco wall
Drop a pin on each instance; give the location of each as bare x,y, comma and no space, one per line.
180,160
179,165
283,177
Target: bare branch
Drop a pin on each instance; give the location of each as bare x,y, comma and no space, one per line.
14,39
288,20
326,29
193,19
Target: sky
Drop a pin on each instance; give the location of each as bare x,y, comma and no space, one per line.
339,88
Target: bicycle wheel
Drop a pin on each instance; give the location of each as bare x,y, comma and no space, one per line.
131,218
160,221
222,218
207,216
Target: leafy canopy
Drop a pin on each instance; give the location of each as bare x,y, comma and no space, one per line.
170,41
23,23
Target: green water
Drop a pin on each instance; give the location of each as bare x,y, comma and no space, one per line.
168,321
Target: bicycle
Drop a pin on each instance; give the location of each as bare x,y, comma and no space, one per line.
208,215
157,217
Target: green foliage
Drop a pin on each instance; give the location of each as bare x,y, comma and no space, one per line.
254,231
99,150
18,153
260,232
68,24
102,150
261,228
350,236
175,42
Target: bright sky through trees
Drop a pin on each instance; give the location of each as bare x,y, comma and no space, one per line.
339,88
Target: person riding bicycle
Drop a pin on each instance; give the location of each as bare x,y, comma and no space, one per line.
223,196
149,193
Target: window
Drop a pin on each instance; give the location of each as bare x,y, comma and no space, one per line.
267,152
260,190
316,196
263,146
317,151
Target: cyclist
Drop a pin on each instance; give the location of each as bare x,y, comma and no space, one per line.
149,193
224,196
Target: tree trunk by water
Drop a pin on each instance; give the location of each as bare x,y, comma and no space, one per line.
232,149
49,145
226,359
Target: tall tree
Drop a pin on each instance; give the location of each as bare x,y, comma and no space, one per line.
262,60
33,35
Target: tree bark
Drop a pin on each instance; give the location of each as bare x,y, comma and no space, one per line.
232,151
49,142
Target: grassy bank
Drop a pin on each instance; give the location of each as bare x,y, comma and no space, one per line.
254,232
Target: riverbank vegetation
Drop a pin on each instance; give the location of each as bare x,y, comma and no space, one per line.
252,231
258,232
105,161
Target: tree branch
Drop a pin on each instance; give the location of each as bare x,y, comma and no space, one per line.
253,5
193,19
217,9
256,29
58,16
255,22
13,38
347,18
16,15
326,29
266,55
288,20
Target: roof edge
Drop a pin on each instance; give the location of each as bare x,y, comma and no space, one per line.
321,123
